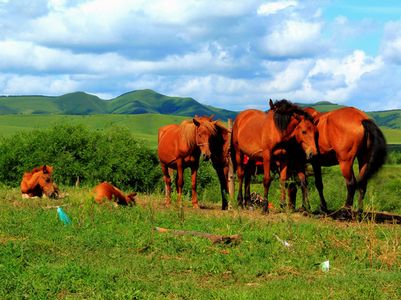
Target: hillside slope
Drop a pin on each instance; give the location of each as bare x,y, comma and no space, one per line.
135,102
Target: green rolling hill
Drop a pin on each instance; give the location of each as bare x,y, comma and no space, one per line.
146,102
135,102
142,111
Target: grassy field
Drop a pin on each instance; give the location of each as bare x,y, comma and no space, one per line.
143,126
110,252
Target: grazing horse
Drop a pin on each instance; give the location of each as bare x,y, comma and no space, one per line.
343,135
180,146
107,191
38,182
258,134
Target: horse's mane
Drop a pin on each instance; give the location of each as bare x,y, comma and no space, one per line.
188,131
284,110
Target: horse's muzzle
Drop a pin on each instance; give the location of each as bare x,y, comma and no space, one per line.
309,154
205,157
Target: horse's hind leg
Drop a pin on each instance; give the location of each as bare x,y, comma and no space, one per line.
167,181
249,170
362,185
266,182
350,181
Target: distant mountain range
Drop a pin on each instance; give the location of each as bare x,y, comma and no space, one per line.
145,101
135,102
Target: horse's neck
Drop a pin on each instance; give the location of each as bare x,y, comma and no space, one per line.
32,179
289,131
188,136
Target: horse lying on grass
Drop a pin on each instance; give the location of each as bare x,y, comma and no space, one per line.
107,191
39,182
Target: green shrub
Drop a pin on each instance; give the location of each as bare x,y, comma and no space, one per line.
75,152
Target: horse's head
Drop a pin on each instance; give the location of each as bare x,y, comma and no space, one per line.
305,134
313,113
297,123
45,181
131,198
205,128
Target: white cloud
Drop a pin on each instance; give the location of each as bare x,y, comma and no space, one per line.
391,44
234,54
294,38
272,8
44,85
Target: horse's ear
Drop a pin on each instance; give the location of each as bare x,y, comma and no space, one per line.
196,122
45,170
211,117
271,104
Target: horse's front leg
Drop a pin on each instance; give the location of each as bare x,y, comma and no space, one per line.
304,189
283,179
266,181
222,174
167,182
194,172
317,170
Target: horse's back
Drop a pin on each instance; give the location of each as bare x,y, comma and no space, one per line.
341,130
107,191
167,147
250,131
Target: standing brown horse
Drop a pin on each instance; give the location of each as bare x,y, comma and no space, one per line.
180,146
345,134
38,182
258,134
220,154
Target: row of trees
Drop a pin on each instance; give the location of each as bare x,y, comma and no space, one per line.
76,152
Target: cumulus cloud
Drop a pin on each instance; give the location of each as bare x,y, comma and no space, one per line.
272,8
391,45
234,54
293,39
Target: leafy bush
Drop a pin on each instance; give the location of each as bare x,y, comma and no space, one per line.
75,152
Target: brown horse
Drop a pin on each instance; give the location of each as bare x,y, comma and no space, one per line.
220,154
107,191
258,134
38,182
180,146
344,135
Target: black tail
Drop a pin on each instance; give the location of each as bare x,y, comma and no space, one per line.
377,147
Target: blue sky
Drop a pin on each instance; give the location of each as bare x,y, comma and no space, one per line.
229,54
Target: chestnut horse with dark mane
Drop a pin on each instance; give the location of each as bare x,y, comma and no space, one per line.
347,134
38,182
180,147
259,134
107,191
